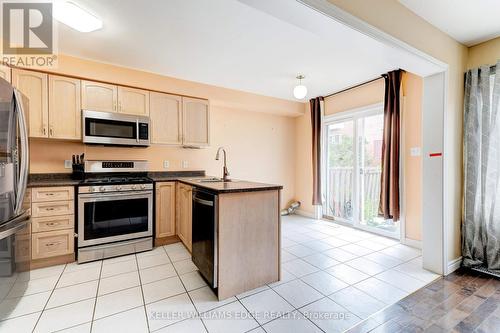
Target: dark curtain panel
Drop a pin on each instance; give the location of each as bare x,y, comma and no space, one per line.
389,189
315,104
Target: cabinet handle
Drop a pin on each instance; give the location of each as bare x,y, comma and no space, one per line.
44,130
52,223
114,106
49,193
119,106
52,244
51,131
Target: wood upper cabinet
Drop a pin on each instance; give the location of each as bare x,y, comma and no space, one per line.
98,96
34,86
195,122
65,109
165,209
166,118
133,101
5,73
184,214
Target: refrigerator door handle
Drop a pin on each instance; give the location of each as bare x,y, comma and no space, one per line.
15,225
23,172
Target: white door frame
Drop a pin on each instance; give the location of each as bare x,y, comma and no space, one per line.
436,263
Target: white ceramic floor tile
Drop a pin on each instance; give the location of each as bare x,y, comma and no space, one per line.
179,254
158,290
133,321
40,273
65,316
156,273
318,245
369,244
30,287
285,242
320,260
324,283
186,326
115,268
266,306
252,292
170,310
119,301
154,252
286,256
401,252
74,293
299,267
118,282
121,258
23,324
192,280
298,293
356,249
173,246
285,277
14,307
83,328
75,266
339,321
316,235
151,261
295,322
340,255
383,259
79,276
401,280
366,266
380,290
184,266
204,299
384,240
347,273
334,242
300,250
349,237
230,318
357,302
414,269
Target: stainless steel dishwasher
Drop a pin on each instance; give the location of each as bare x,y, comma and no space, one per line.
204,235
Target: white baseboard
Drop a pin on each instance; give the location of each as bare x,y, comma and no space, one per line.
305,213
412,242
453,265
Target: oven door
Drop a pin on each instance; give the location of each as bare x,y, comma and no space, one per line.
112,217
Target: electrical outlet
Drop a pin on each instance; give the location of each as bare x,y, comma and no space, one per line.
166,164
185,164
68,164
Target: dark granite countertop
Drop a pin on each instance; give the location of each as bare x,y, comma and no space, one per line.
230,187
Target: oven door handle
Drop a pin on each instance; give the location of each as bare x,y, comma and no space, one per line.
112,195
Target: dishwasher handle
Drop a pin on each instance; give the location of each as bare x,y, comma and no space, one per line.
203,201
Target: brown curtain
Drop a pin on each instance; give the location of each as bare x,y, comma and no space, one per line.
389,189
315,104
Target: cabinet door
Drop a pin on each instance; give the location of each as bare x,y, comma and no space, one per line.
65,109
166,118
184,221
165,209
99,96
5,73
133,101
196,122
34,86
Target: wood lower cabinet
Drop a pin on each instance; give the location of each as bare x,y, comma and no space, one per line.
195,122
65,108
98,96
184,214
166,118
34,85
133,101
53,225
5,73
165,209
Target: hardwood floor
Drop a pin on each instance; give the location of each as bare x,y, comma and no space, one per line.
464,301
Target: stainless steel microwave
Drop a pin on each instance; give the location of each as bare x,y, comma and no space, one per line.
107,128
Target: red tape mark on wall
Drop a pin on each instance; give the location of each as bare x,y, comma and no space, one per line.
435,154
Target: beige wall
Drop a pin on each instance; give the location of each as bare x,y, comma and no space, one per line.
259,144
487,53
368,94
395,19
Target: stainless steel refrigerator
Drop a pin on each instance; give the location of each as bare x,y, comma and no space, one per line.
15,248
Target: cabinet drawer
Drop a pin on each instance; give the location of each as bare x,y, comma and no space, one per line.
51,223
52,243
58,208
44,194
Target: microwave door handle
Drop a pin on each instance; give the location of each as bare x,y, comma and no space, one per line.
137,130
23,172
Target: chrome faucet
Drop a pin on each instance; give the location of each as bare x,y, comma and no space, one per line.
225,173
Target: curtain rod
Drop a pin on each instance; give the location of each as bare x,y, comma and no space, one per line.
353,87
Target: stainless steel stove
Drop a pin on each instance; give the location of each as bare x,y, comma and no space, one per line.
115,209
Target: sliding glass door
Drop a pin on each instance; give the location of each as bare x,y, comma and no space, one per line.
352,151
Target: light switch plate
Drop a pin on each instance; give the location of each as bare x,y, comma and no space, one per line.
184,164
415,151
67,164
166,164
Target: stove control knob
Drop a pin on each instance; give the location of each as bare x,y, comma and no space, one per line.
102,189
118,187
92,189
143,187
134,187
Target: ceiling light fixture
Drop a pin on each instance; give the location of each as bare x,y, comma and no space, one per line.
300,90
75,17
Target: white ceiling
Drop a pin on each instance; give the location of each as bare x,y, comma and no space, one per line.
468,21
250,45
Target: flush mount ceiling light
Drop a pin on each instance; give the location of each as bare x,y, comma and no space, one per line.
300,90
75,17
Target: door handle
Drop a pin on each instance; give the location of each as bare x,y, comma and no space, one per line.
203,202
